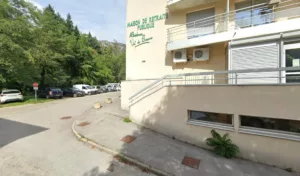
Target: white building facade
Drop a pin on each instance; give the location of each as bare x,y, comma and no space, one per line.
229,65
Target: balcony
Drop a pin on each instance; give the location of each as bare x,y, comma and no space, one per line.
174,5
261,19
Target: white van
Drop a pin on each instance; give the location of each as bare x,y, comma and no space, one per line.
87,89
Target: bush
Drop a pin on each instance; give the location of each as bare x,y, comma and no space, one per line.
127,120
222,145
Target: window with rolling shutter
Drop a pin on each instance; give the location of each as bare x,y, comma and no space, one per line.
254,57
200,23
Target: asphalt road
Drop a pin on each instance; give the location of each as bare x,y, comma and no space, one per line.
34,141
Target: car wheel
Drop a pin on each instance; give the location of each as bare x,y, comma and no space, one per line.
75,95
60,97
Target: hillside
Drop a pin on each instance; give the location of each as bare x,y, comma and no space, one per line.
105,43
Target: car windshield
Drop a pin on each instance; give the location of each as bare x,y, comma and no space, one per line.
10,92
55,89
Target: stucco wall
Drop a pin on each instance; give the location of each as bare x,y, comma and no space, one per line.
165,111
152,60
129,88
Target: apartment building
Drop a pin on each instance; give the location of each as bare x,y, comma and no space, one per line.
229,65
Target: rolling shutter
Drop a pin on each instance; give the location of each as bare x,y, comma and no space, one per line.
254,57
196,27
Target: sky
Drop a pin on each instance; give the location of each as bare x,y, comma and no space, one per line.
105,19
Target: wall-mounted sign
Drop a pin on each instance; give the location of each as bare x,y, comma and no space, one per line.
139,38
147,23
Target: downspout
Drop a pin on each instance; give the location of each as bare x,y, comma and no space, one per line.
229,57
227,15
280,56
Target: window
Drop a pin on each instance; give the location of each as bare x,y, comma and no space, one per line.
265,123
11,92
247,16
292,59
211,117
200,23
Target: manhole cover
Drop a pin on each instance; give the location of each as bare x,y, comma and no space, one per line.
128,139
191,162
83,124
66,118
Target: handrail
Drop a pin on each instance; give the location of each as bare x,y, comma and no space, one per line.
260,70
152,84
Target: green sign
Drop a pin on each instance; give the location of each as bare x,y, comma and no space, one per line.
138,38
147,23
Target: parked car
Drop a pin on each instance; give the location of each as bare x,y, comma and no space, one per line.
94,90
88,90
73,92
10,95
114,87
50,92
118,88
109,87
97,89
104,89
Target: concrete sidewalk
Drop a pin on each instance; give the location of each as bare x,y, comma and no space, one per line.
106,127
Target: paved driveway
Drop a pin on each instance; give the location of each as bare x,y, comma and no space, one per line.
35,141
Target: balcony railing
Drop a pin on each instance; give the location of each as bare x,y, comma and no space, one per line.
242,18
261,76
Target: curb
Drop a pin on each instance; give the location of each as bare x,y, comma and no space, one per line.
115,153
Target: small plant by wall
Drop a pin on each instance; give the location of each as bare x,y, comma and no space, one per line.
222,145
127,120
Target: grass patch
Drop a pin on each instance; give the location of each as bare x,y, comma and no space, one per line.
27,100
127,120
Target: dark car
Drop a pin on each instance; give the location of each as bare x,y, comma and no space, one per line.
72,92
50,93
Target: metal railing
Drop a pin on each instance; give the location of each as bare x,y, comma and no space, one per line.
242,18
262,76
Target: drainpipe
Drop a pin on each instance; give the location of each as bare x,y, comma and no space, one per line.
227,15
280,56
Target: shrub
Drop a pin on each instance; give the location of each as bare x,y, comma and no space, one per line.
222,145
127,120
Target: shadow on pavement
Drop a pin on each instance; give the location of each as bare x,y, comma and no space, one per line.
11,131
93,172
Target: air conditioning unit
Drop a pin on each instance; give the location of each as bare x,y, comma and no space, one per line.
201,54
179,56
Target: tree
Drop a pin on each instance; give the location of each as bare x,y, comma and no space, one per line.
40,45
69,24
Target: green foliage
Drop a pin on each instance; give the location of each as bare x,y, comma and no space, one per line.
127,120
222,145
41,46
